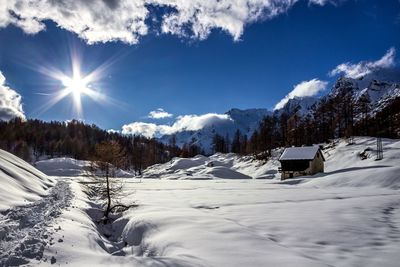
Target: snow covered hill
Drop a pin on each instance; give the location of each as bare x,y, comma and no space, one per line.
347,216
20,183
345,167
342,160
217,166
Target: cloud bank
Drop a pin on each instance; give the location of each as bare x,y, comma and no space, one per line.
10,102
128,20
363,68
303,89
182,123
159,114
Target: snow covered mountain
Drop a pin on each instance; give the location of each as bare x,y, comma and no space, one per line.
297,104
246,121
381,86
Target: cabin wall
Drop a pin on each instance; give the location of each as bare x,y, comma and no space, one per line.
315,166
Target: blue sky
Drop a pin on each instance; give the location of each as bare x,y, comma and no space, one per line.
190,72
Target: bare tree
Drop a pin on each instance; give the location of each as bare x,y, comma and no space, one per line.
109,157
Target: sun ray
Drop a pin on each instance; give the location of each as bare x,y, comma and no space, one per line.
76,84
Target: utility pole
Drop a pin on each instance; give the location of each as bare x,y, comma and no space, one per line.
379,149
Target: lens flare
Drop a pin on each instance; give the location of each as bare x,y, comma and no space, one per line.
75,86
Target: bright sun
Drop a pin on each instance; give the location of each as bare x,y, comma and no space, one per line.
76,85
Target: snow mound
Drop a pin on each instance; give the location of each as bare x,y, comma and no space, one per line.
225,173
344,166
217,166
70,167
179,163
20,182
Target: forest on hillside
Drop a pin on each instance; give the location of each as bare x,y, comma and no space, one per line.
36,139
333,117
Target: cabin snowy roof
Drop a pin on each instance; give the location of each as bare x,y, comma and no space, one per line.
299,153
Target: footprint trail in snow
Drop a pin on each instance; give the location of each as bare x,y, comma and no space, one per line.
25,231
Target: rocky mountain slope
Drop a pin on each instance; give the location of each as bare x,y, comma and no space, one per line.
381,86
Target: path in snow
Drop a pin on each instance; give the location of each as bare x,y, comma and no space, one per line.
26,230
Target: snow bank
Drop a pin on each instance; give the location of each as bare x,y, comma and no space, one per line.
217,166
70,167
345,167
20,182
179,163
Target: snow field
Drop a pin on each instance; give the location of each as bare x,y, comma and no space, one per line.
348,216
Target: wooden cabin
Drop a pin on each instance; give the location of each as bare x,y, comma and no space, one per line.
298,161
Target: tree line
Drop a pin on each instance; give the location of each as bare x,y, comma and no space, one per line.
33,140
332,117
339,116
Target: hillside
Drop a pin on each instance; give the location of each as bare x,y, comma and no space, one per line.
20,183
375,91
381,87
342,162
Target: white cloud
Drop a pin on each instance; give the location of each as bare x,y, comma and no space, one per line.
159,114
303,89
182,123
125,20
112,131
365,67
319,2
93,21
10,102
142,128
202,16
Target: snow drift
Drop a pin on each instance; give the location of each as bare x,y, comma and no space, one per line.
217,166
70,167
20,182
